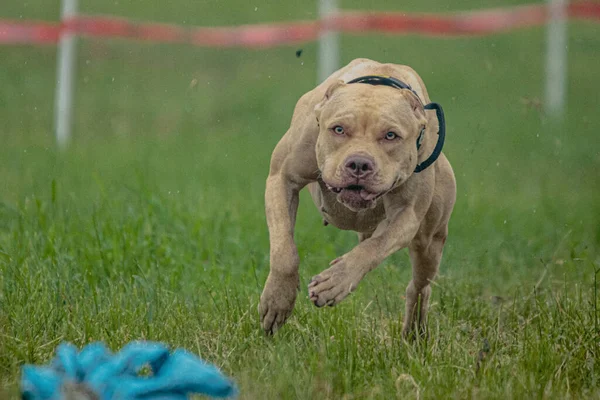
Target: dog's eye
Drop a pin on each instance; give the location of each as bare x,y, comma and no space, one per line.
338,130
390,136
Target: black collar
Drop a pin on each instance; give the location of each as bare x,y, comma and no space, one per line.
398,84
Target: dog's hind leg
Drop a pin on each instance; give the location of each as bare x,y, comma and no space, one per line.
425,258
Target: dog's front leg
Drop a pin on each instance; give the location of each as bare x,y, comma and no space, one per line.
279,294
342,277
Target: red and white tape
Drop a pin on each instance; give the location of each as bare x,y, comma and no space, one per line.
24,32
482,22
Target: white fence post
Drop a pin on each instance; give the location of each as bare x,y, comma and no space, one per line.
556,59
65,78
329,48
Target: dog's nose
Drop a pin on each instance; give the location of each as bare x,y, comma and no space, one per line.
359,166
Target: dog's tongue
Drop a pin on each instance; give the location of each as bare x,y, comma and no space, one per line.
367,195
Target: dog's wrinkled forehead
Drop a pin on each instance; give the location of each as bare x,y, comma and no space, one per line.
377,80
372,99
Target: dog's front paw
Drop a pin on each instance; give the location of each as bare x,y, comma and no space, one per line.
334,284
277,301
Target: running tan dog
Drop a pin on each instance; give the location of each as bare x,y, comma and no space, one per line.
367,143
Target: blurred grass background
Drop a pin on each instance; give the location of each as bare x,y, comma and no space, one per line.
151,225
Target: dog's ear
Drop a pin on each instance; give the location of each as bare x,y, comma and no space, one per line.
328,93
333,87
415,104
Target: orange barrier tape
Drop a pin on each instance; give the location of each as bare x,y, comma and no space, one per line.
260,35
482,22
17,32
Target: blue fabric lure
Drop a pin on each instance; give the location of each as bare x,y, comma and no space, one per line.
94,373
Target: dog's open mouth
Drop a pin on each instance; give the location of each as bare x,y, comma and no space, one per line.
354,191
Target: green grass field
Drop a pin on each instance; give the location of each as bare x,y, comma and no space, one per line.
151,225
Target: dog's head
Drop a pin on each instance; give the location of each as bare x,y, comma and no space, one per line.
367,140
